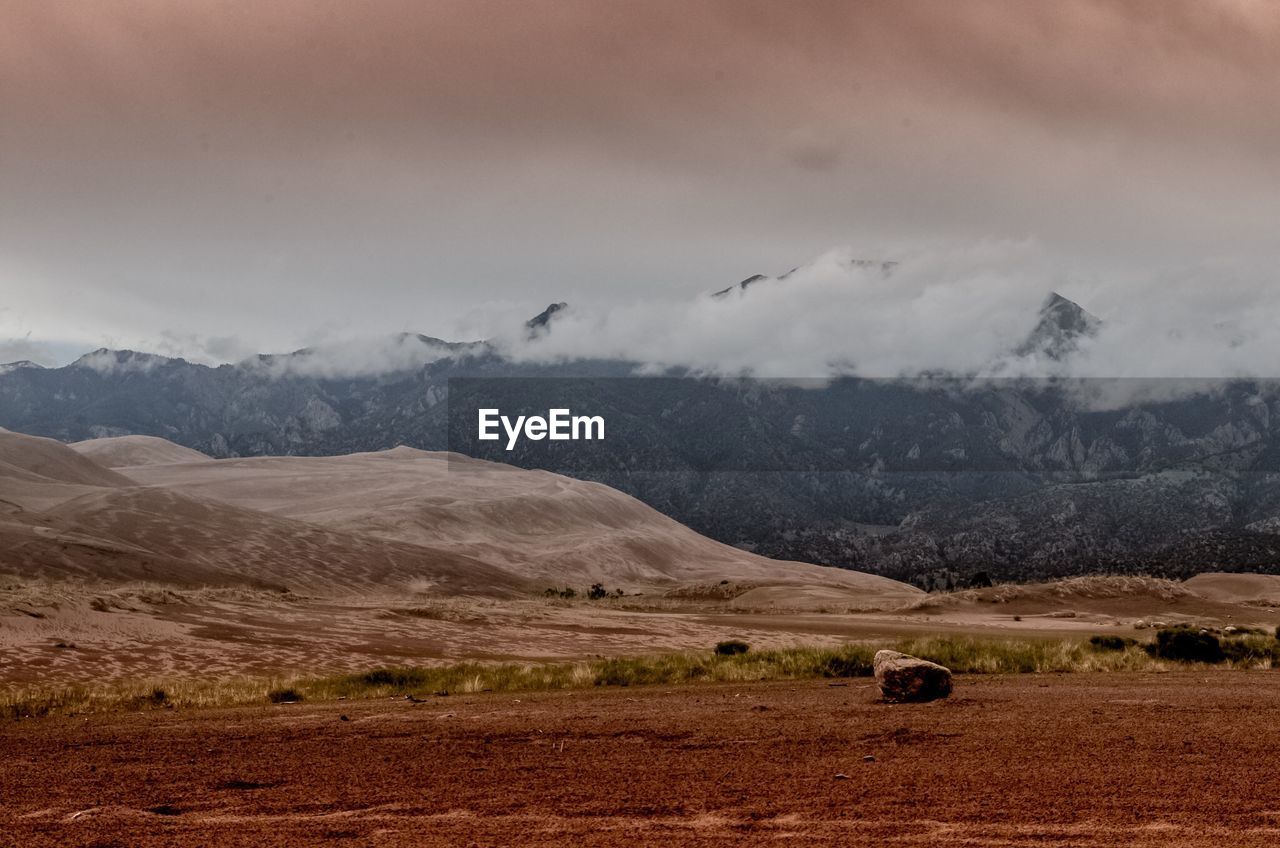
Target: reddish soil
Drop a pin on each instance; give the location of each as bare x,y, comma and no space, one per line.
1083,760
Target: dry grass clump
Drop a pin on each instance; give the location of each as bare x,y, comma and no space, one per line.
961,655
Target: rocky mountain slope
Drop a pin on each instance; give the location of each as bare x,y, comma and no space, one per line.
937,480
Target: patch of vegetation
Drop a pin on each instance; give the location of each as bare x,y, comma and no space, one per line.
597,592
397,678
961,655
1112,643
1185,643
287,695
1244,630
1252,650
732,647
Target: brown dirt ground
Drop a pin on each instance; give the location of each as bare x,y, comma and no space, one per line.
1171,760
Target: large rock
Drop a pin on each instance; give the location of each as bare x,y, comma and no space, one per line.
906,678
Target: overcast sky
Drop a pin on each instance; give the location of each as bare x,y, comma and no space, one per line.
211,178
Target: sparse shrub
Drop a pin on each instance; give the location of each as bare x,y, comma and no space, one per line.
284,696
1111,643
732,647
1278,631
568,594
99,605
157,697
597,591
1252,649
846,665
1187,645
399,678
552,592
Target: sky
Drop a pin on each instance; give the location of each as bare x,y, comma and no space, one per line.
212,179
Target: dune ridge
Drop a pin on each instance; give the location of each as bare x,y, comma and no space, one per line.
354,524
122,451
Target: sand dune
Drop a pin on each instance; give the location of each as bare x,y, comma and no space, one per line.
1237,588
64,516
357,524
203,542
36,474
121,451
53,461
543,527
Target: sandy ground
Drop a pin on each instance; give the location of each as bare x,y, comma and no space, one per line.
1173,760
59,634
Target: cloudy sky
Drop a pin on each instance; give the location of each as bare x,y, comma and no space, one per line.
211,178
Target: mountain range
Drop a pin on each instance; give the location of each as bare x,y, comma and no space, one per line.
942,480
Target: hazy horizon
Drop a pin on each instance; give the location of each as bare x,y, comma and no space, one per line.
216,179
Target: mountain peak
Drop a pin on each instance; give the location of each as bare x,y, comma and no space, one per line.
742,286
1062,324
849,263
7,367
106,359
541,323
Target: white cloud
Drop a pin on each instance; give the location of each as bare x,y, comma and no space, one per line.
23,349
958,309
356,357
946,308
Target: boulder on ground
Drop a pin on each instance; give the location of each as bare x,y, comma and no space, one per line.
906,678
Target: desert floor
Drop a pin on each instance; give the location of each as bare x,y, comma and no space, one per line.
60,634
1179,759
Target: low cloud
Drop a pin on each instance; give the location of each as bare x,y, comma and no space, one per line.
23,349
357,357
954,309
848,311
120,362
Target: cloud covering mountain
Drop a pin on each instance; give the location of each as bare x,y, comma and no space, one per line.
977,308
974,309
293,173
